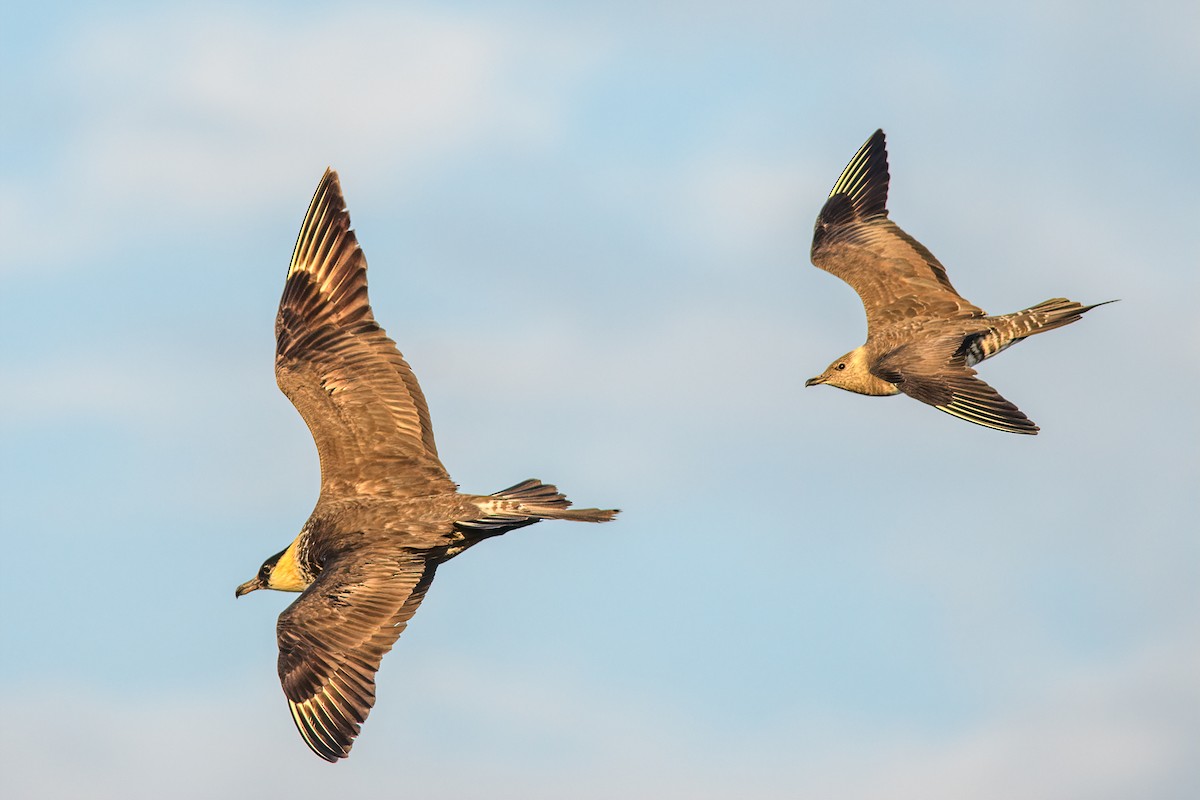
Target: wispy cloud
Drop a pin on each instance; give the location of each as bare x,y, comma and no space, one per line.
183,117
1115,731
1122,730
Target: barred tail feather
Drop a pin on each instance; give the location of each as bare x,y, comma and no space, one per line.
528,502
1053,313
1009,329
543,500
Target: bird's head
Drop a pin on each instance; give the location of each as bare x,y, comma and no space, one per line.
852,372
278,572
263,579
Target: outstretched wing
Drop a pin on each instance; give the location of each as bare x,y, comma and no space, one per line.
332,638
895,276
937,373
359,398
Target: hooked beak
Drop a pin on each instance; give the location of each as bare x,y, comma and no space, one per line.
248,586
814,381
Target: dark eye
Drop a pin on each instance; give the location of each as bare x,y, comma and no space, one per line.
841,366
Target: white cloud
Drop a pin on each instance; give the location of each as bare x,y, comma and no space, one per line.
188,118
1116,730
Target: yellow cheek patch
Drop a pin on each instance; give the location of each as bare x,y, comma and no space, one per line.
287,576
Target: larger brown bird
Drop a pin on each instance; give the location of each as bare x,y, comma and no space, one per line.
388,514
923,338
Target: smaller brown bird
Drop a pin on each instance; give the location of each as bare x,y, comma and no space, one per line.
923,338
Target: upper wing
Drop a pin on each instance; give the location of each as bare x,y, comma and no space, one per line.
359,398
937,373
332,638
896,277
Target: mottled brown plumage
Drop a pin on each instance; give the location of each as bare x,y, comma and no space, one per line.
388,513
923,337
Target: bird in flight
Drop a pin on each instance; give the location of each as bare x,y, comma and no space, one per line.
388,514
923,338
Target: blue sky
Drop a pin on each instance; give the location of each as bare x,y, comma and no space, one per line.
588,232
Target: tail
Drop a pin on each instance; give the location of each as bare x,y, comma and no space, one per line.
526,503
1008,329
1047,316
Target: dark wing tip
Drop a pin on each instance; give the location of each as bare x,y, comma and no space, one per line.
973,400
328,706
865,179
325,728
327,213
1002,416
860,194
326,279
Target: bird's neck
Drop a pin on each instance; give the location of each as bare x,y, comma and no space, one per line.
288,575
